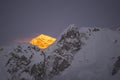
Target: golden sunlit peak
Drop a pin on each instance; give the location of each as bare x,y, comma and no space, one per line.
43,41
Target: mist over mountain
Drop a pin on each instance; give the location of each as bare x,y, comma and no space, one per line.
78,54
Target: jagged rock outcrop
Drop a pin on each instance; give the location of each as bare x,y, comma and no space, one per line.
63,54
116,66
25,62
80,54
28,62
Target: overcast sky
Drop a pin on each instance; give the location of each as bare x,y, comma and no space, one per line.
23,19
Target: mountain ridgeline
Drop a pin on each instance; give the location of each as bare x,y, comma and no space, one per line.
28,62
78,54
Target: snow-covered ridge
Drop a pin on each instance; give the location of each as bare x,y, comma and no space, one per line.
78,54
98,59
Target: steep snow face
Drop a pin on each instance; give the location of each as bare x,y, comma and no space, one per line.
20,62
98,59
28,62
78,54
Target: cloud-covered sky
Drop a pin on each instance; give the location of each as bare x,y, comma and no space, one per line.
24,19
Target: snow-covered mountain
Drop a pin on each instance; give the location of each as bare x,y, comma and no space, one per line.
78,54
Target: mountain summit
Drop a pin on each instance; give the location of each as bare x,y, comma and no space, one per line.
78,54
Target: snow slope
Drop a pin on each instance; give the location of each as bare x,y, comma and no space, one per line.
18,58
96,59
78,54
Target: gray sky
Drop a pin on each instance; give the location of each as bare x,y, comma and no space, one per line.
23,19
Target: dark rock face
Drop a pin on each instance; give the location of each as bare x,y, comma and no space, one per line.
22,62
66,48
116,67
